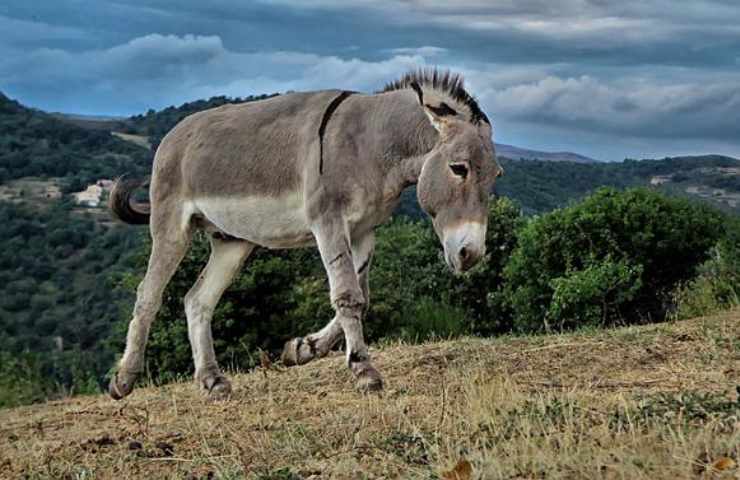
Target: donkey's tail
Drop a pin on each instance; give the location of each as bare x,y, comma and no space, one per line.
123,206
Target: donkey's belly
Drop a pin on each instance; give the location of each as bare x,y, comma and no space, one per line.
266,221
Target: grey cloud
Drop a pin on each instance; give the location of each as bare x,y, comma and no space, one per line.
590,70
21,33
700,110
158,70
424,51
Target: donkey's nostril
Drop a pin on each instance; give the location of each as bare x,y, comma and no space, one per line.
467,257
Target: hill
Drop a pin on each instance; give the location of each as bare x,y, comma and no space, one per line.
540,186
61,264
518,153
648,402
35,143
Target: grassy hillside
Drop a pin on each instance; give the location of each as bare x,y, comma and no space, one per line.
648,402
34,143
60,264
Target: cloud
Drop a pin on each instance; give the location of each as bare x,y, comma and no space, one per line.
707,109
17,32
425,51
655,72
156,70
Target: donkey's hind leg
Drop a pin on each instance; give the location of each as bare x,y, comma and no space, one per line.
168,248
227,258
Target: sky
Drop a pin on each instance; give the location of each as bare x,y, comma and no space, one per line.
608,79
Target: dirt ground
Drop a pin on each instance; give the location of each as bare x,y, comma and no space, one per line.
656,401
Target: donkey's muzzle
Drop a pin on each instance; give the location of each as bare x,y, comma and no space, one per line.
468,257
465,245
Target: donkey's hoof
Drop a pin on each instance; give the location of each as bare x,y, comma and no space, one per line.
369,380
291,355
217,388
121,384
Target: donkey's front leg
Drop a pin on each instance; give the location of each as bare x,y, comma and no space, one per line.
348,301
302,350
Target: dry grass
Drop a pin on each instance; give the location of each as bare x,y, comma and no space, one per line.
646,402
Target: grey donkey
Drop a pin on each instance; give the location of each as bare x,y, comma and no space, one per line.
316,168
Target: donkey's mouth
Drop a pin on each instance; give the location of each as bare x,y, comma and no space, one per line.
463,260
464,246
450,264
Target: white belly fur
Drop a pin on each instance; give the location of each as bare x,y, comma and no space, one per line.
266,221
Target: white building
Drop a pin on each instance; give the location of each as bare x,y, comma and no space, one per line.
93,194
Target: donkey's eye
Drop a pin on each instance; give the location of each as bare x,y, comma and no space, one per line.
459,169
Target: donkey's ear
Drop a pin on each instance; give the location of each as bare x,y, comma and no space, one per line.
440,115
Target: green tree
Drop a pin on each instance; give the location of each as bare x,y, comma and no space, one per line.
617,254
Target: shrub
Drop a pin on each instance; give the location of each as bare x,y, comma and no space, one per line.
613,256
717,283
594,294
22,380
428,319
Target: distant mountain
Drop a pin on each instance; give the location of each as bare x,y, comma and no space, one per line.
518,153
540,186
92,122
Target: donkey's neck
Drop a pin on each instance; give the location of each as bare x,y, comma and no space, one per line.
425,137
411,136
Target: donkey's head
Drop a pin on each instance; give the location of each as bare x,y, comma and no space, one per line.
456,180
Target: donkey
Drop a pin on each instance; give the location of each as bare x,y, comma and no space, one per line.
316,168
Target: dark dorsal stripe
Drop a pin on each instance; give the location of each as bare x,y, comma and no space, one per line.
443,110
419,93
325,121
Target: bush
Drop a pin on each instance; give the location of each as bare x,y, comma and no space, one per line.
594,294
428,319
22,380
717,284
614,256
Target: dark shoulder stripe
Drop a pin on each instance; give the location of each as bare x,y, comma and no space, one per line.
325,121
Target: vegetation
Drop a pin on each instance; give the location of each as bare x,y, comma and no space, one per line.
541,186
613,258
58,298
716,287
616,257
34,143
648,402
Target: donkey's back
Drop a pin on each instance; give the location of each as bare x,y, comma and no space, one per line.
255,148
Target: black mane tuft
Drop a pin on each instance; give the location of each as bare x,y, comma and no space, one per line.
445,81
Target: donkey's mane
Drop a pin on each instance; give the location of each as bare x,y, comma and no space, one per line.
445,81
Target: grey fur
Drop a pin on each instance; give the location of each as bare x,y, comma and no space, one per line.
250,175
